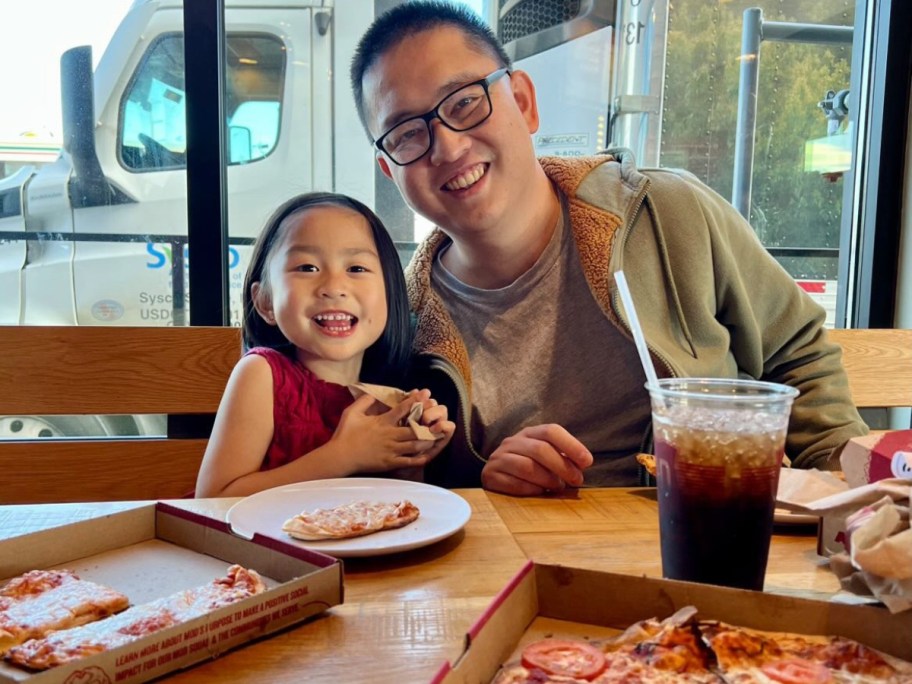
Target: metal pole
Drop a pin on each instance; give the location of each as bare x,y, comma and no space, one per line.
747,110
753,31
807,33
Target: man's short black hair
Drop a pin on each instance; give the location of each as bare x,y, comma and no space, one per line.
408,19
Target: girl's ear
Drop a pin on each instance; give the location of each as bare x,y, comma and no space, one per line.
262,302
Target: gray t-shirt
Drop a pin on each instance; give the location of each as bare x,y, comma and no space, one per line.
542,351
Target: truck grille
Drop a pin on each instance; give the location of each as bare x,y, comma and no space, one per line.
531,16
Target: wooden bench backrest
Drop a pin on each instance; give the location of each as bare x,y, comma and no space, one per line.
879,366
47,371
182,371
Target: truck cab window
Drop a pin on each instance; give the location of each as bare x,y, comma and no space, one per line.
153,133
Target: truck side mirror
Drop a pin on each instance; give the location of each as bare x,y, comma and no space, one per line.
240,147
88,186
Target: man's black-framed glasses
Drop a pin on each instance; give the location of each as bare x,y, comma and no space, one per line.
464,108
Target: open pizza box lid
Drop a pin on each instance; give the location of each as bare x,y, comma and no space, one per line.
551,600
156,550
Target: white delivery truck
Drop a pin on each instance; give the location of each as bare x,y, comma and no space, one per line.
99,229
90,238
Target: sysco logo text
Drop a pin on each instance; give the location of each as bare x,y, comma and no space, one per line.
161,256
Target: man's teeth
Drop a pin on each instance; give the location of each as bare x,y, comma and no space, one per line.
467,179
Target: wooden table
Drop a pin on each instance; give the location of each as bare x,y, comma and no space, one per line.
405,614
617,530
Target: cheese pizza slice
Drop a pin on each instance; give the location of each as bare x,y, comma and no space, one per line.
139,621
42,601
747,655
652,651
681,649
350,520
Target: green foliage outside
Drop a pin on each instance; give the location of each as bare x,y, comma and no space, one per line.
790,207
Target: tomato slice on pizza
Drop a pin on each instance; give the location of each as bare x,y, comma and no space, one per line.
797,671
564,657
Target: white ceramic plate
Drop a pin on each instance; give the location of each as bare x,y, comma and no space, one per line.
782,516
442,513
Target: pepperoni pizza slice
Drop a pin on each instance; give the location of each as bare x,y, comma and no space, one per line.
350,520
42,601
681,649
139,621
650,651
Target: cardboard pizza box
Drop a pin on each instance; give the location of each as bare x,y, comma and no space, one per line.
553,600
156,550
877,456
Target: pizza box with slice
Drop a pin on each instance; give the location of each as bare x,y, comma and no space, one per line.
156,550
556,601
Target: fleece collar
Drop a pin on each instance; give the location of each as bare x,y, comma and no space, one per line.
600,192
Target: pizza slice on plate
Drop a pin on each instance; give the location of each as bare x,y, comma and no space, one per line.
350,520
42,601
139,621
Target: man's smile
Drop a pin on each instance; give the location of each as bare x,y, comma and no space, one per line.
466,179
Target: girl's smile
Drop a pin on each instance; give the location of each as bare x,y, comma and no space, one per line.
336,323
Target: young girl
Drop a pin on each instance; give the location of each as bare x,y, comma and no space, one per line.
324,307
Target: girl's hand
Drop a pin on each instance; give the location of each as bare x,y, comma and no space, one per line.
377,443
435,417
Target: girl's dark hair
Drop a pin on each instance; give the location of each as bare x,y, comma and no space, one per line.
386,360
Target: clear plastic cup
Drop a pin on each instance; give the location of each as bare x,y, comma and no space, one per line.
719,446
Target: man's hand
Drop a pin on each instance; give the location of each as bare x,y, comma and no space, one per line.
536,459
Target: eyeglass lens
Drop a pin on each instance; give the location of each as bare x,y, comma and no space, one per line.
460,111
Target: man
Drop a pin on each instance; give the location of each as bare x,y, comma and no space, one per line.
517,310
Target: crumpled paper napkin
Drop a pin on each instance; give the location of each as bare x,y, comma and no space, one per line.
878,537
392,397
798,488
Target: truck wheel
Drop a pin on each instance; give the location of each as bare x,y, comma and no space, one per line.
40,427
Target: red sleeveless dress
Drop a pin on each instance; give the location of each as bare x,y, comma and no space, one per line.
306,410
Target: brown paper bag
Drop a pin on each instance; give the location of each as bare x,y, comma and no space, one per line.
874,523
392,397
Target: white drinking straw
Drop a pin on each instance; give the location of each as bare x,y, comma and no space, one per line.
651,377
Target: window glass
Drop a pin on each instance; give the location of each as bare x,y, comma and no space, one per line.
153,128
252,130
662,79
106,243
803,136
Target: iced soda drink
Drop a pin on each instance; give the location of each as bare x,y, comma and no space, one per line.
719,447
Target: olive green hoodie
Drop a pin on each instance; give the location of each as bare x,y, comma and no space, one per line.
711,300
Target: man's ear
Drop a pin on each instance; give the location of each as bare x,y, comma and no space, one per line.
262,302
524,95
384,165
